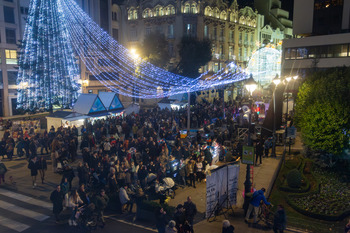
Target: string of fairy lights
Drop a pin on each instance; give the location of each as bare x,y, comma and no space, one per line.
59,31
119,71
48,74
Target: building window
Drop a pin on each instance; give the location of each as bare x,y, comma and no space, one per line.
206,31
12,77
190,30
1,82
173,10
222,32
10,36
148,31
215,34
147,13
171,31
114,16
232,36
230,52
11,56
217,13
9,14
133,35
193,9
187,8
115,34
159,29
240,37
24,10
171,49
221,52
132,14
207,11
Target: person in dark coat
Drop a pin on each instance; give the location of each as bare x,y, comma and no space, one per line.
33,166
161,220
259,151
180,217
279,220
42,167
83,173
101,204
227,227
190,210
57,198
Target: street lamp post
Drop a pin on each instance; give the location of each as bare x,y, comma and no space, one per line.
286,127
276,81
250,85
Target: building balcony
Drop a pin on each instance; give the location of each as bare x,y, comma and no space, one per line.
286,22
280,13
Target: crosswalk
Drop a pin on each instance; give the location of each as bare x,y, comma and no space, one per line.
20,212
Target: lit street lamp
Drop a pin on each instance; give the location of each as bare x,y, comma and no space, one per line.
250,85
276,81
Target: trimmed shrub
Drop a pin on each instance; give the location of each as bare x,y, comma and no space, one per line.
294,178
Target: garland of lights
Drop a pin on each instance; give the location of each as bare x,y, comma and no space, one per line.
117,68
48,74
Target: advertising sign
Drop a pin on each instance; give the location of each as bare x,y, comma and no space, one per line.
248,155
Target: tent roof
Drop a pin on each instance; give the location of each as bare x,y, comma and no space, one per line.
106,98
88,103
60,114
68,115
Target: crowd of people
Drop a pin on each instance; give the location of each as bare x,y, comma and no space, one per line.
119,154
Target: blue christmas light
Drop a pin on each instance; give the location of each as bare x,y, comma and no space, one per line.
86,35
48,74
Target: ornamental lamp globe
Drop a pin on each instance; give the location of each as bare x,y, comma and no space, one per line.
251,84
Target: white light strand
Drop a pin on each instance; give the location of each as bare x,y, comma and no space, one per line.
114,58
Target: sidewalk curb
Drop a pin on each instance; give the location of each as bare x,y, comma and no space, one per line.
274,177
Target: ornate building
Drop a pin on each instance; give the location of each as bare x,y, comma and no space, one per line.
233,31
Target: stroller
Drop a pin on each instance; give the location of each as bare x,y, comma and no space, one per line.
166,187
87,218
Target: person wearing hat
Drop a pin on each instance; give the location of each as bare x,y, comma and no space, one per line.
257,197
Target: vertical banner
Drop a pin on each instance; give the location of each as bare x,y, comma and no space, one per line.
233,172
248,155
212,194
222,183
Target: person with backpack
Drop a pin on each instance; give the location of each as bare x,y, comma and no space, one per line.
254,204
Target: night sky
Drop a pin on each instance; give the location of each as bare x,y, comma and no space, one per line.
286,5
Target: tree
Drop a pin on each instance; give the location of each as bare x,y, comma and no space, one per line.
48,72
193,54
155,50
322,110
